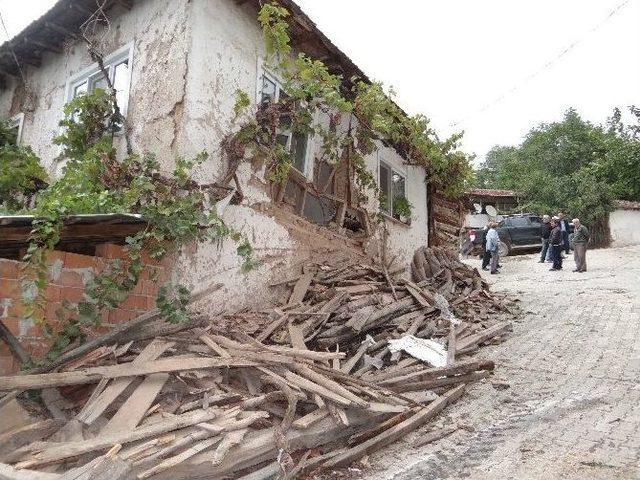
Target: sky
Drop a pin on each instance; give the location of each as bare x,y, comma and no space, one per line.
493,68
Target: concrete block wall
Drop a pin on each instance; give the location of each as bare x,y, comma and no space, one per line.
67,276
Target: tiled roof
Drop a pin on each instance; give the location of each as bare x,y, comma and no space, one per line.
628,205
490,192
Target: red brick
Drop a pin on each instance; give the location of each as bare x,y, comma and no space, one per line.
12,324
9,288
7,365
73,295
51,311
55,256
75,260
118,315
134,302
110,250
10,268
16,308
53,293
151,302
70,279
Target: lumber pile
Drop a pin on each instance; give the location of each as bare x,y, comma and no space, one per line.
334,373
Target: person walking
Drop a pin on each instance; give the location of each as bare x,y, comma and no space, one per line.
546,231
564,228
492,245
555,240
580,240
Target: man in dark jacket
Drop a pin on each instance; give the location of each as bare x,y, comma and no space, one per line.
564,228
546,231
556,242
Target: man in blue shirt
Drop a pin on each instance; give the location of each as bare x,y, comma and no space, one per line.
492,245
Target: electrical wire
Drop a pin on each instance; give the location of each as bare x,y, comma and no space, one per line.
13,53
546,66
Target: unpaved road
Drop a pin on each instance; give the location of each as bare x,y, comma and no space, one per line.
572,409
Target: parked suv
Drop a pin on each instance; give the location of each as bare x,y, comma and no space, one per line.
516,232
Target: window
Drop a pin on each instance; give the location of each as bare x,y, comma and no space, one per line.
294,142
393,190
15,125
118,66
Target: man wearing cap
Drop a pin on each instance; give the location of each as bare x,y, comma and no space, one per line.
580,240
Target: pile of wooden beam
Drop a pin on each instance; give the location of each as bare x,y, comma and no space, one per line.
318,386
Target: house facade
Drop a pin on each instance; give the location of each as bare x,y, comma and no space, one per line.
176,65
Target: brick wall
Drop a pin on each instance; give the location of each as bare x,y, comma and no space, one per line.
67,274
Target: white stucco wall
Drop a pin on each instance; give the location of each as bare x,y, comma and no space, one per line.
625,227
189,58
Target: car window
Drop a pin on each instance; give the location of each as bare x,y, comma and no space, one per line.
535,220
519,222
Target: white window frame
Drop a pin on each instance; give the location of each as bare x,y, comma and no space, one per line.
389,194
92,73
17,121
262,73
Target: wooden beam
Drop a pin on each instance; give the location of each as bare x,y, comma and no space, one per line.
60,29
52,47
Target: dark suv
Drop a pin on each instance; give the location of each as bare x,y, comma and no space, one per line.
521,231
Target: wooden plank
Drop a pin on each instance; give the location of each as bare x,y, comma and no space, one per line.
397,431
29,433
181,457
95,374
310,418
42,455
483,336
433,436
7,472
135,408
296,337
301,287
312,387
93,409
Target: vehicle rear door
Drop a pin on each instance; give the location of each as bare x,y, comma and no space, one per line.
521,231
534,231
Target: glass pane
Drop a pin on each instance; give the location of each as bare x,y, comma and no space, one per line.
121,84
269,90
399,194
283,139
385,188
99,82
299,151
80,89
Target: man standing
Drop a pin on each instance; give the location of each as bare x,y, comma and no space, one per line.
555,240
546,231
492,245
486,254
580,240
564,228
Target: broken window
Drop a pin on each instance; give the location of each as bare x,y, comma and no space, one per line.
118,67
393,192
15,126
294,142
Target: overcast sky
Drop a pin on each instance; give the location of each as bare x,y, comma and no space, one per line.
493,68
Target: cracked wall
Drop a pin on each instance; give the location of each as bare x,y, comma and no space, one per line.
190,56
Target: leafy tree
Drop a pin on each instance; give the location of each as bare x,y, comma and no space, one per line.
572,166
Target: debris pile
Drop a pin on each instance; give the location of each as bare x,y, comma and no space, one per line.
352,360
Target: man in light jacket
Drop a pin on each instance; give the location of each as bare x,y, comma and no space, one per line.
580,240
492,245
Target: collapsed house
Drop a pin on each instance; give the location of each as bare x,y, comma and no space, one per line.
331,357
175,66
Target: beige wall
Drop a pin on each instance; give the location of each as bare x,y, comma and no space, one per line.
625,227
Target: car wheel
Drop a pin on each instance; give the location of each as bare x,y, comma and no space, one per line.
504,249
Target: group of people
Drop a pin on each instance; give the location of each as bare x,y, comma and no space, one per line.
557,241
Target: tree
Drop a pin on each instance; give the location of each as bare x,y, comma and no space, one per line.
572,166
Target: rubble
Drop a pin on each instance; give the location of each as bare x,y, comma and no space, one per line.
311,384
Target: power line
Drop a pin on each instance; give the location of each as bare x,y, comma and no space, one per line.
13,53
546,66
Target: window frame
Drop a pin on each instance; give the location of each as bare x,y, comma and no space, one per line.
263,73
17,121
92,73
389,195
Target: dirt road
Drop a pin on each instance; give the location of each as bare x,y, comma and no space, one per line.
572,408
